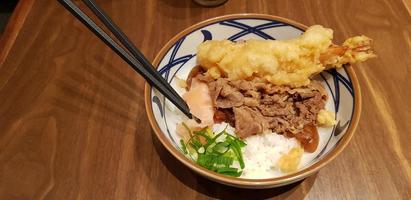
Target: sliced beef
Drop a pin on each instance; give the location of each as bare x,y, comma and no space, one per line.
224,95
251,102
248,121
258,107
229,97
197,72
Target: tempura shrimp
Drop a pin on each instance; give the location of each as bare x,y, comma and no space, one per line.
355,49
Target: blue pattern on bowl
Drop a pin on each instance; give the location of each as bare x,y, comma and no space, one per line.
184,51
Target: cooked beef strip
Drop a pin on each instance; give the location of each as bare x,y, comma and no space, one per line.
248,121
197,71
262,107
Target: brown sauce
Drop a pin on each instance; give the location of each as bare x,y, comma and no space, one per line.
308,137
224,115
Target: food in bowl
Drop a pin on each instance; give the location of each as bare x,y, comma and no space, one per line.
258,105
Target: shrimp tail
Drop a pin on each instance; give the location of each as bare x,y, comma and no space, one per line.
355,49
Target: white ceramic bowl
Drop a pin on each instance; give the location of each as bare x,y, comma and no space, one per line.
178,57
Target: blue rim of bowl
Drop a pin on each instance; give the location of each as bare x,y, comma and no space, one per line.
242,182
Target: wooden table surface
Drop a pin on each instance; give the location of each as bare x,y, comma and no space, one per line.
73,123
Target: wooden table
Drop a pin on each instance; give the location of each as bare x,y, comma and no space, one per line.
73,122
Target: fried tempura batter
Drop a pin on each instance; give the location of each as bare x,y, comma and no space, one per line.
287,62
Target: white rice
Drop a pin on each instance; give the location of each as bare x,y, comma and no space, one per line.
262,152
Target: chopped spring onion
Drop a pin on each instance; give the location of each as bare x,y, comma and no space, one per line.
215,151
183,146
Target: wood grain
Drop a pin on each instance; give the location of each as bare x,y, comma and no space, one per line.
73,124
13,27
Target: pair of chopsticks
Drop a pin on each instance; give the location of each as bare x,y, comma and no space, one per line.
136,60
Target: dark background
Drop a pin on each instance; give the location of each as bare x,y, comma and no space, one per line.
6,8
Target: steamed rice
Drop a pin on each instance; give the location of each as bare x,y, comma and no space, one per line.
262,153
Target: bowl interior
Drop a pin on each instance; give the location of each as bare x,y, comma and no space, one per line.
178,57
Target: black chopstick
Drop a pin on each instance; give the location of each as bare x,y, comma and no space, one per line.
108,22
154,80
